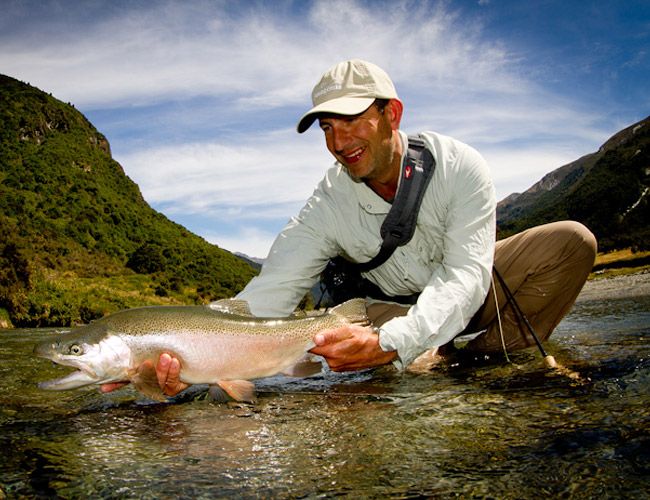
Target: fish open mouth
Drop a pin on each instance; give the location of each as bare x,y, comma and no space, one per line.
77,378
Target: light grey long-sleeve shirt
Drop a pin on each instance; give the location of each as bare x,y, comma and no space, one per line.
449,259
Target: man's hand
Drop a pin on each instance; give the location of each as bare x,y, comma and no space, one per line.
351,348
168,371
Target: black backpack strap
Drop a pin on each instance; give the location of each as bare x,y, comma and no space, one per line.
399,225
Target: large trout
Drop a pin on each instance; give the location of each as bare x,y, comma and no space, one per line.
221,344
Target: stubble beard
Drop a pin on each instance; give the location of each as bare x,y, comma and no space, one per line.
380,163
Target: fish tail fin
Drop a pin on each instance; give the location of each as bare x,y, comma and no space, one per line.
353,310
239,390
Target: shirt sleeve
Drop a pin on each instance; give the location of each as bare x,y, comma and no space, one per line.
458,285
296,258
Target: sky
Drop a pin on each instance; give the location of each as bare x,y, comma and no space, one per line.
199,99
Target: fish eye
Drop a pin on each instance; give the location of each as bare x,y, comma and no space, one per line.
76,349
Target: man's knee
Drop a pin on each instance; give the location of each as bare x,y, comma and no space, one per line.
546,246
580,243
579,233
567,231
545,267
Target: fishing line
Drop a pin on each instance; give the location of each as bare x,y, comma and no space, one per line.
548,359
496,303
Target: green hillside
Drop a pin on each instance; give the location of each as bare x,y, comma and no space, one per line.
77,240
608,191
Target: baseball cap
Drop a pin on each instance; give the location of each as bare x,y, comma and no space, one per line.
349,88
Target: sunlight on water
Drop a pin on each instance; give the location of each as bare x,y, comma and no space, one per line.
485,428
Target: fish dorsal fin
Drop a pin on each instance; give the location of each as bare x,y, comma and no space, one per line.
232,306
354,311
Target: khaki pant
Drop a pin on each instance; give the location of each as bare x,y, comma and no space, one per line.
545,267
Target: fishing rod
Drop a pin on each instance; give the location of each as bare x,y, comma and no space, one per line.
548,359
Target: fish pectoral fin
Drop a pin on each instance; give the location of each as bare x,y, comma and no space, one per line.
144,379
306,367
239,390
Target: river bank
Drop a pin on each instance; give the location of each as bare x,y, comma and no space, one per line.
633,284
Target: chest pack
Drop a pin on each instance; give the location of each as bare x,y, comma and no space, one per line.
342,279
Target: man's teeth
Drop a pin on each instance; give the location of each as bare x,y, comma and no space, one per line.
354,155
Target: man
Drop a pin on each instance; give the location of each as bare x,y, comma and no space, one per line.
448,261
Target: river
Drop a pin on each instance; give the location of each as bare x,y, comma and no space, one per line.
492,428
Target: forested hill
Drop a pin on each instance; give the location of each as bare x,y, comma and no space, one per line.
608,191
77,240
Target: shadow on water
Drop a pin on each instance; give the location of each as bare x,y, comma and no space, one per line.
470,428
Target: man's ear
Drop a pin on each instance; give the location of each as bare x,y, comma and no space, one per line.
394,110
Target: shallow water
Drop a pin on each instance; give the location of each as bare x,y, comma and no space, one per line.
485,428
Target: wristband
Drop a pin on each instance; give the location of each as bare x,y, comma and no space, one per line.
384,344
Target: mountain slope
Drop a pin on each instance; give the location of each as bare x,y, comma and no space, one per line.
608,191
68,213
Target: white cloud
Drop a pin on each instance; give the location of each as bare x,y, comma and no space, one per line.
262,55
245,180
245,57
513,169
247,240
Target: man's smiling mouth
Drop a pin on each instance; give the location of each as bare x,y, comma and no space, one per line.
354,156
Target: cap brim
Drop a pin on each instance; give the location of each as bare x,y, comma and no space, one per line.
341,106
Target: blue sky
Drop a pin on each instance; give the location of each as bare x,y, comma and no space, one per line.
199,98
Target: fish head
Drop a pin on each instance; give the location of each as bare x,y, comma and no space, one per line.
98,357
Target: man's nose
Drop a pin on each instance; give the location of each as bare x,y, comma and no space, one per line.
340,137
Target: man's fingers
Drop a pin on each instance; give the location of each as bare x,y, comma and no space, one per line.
112,387
162,369
331,336
168,372
174,379
351,347
320,339
332,343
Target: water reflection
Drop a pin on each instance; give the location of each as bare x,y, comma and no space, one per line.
490,429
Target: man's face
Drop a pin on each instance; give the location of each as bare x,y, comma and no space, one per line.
362,143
